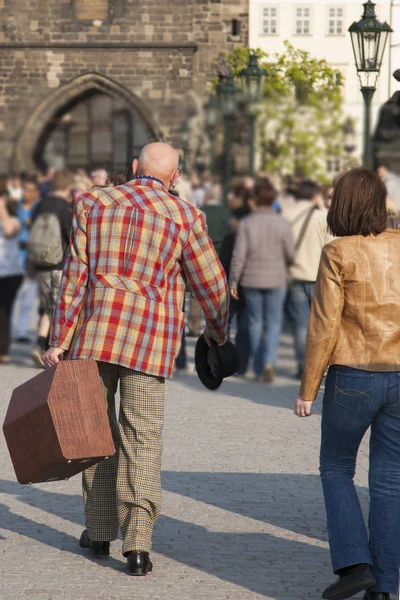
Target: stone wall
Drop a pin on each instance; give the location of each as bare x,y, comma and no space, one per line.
159,52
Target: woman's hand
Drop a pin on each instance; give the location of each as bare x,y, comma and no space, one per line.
234,293
302,408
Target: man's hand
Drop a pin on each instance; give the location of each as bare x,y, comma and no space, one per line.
303,408
235,293
207,337
52,357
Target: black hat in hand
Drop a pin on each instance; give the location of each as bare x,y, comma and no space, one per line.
214,363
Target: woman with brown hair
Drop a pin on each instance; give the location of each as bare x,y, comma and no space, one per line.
11,270
355,327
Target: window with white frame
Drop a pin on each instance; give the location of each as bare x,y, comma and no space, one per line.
303,20
269,19
336,20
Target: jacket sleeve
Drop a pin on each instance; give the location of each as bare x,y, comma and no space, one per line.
239,255
207,280
73,283
324,323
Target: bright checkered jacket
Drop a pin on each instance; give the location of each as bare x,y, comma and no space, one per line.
122,289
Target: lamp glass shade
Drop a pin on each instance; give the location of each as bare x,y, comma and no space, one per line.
211,112
369,37
228,97
252,78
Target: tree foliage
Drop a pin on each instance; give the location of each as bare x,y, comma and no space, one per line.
300,119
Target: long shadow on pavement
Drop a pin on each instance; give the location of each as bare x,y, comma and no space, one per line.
282,395
256,561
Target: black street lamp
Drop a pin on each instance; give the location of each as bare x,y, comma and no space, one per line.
252,78
184,135
228,93
368,37
212,114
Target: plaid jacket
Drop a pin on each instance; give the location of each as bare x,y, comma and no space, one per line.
122,289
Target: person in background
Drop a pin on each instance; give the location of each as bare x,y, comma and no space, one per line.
326,194
393,220
82,183
183,189
310,232
198,191
217,216
181,361
14,188
236,198
355,328
11,270
118,178
286,199
237,308
58,203
99,178
24,305
45,181
262,254
392,183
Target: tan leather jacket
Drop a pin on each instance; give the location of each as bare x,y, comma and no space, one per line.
355,314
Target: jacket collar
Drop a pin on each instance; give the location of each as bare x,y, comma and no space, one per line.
147,180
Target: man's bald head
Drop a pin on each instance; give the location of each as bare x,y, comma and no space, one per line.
158,160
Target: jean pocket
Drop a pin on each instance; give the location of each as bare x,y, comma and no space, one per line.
353,391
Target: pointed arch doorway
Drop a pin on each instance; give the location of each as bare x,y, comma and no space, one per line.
87,123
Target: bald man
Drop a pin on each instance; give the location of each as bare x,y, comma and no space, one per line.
120,303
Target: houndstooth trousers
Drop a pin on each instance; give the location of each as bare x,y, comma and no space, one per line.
124,492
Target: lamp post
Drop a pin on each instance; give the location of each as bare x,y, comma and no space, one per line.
368,37
229,108
212,112
252,78
184,135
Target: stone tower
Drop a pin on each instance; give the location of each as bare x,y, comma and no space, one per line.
77,74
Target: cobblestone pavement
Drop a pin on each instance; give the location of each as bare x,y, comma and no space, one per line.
242,518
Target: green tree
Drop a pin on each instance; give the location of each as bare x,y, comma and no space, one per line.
300,120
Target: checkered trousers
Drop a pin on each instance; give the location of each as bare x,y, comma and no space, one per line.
124,492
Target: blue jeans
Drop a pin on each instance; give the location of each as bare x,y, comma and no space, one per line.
354,401
264,310
298,304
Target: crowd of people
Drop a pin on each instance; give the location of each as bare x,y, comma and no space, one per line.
269,235
323,258
33,248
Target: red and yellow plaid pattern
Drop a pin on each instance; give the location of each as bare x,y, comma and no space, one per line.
122,289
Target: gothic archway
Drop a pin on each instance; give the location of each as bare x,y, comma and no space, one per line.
67,95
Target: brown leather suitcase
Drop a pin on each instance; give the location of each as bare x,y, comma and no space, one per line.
57,424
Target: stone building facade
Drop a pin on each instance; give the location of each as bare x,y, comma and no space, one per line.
77,74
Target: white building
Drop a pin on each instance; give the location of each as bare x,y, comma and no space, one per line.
321,27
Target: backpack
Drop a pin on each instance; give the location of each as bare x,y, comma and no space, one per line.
45,242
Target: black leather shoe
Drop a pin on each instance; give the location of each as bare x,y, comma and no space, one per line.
352,580
377,596
139,564
97,549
